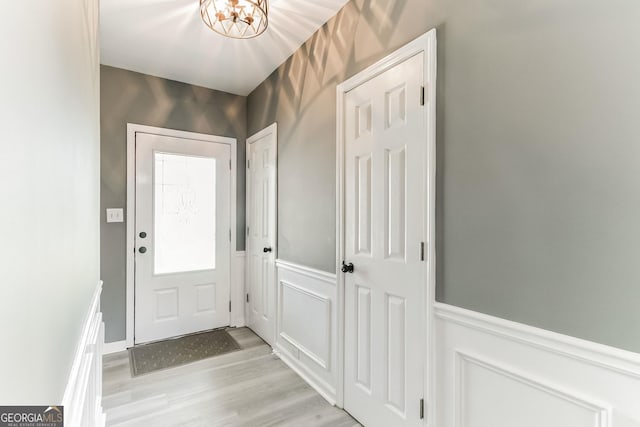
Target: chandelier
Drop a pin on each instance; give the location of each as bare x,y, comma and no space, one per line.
238,19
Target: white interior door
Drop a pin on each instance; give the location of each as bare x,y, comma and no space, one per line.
385,199
182,236
261,232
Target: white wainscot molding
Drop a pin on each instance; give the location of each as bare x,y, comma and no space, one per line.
82,399
238,260
307,325
492,372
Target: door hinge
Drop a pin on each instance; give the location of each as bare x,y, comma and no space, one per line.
229,164
422,95
229,234
421,251
422,409
247,231
247,297
248,164
229,306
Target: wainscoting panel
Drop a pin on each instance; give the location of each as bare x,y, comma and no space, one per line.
237,288
495,373
82,399
307,325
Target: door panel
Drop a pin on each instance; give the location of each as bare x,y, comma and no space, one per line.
385,194
182,231
261,235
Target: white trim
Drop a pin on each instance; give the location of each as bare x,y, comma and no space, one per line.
624,362
486,364
132,128
114,347
271,129
601,411
82,343
238,264
323,362
307,271
313,357
427,44
82,397
311,378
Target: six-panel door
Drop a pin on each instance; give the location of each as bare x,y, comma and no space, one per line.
385,145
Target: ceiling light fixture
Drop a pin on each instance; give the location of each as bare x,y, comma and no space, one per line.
238,19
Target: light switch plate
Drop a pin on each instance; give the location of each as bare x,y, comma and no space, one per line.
115,215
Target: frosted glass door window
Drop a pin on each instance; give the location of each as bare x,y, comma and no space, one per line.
184,213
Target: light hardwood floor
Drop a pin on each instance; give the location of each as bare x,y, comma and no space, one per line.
250,387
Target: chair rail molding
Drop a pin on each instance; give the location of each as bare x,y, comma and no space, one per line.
82,398
493,372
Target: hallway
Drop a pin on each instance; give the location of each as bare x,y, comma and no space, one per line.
250,387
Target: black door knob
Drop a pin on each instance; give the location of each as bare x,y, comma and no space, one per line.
142,249
265,250
347,268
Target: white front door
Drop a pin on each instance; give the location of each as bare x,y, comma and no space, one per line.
385,199
182,236
261,232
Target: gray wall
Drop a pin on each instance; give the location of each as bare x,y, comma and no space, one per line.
50,182
129,97
538,155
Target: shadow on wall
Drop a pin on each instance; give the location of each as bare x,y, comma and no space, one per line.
324,61
300,96
130,97
165,103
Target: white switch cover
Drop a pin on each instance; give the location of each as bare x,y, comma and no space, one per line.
115,215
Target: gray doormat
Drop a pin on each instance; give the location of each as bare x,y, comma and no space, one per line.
179,351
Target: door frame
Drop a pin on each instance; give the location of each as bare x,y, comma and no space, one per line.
132,129
271,129
427,44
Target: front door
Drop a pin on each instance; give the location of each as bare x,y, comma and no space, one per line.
385,199
261,232
182,236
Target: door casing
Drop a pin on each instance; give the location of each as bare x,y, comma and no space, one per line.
427,44
132,128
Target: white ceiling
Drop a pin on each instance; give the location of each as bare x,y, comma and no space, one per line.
167,38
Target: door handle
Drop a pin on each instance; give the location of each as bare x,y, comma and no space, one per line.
265,250
142,249
347,268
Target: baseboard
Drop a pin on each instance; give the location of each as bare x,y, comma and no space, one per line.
82,398
114,347
492,372
309,377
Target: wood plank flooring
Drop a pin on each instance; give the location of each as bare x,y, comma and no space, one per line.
250,387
